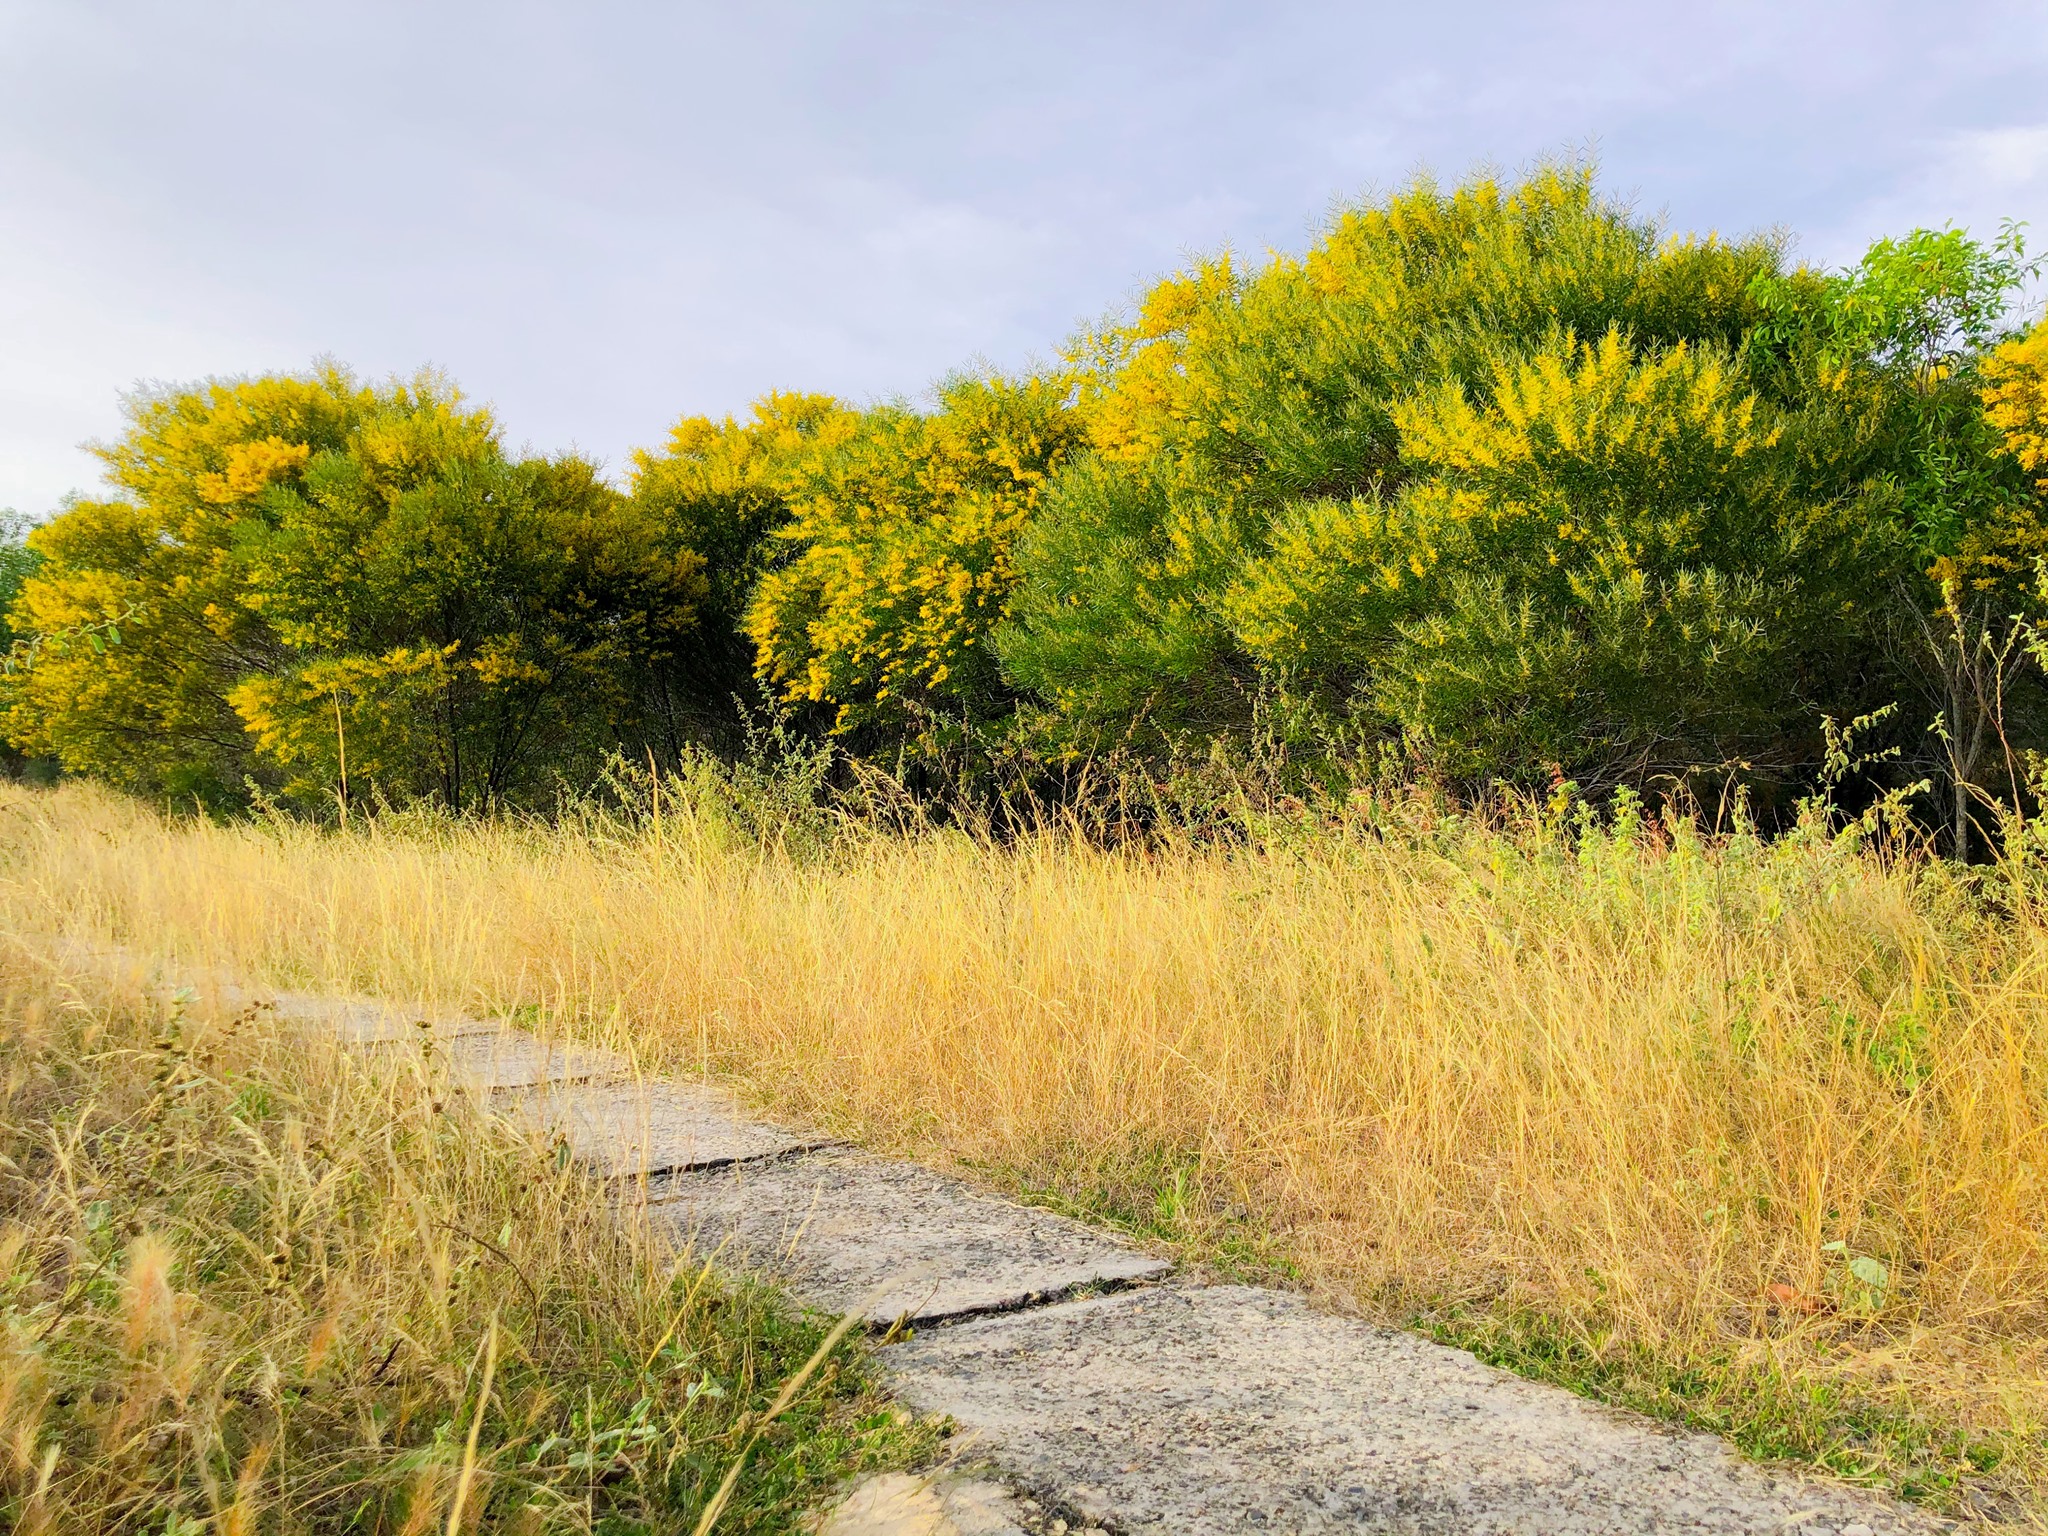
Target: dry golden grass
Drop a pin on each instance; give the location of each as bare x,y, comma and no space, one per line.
250,1284
1581,1102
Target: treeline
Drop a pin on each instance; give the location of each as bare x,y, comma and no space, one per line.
1500,483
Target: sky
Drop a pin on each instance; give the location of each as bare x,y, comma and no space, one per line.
599,216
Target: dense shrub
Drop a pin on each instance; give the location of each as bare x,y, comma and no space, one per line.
1604,565
719,488
313,581
900,554
1507,477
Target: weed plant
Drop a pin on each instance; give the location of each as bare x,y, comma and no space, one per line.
251,1283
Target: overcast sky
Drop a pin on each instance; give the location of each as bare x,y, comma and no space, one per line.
599,216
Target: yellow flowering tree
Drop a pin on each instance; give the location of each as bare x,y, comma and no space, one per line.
718,488
1598,559
162,560
1292,479
2014,388
900,553
322,584
2015,392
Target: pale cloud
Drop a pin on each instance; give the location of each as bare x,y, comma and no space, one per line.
604,214
1974,179
2008,159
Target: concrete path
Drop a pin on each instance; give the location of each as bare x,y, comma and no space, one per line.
1102,1393
1229,1408
846,1232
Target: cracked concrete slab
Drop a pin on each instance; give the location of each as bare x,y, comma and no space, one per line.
625,1129
502,1059
850,1232
352,1021
483,1055
480,1056
1231,1409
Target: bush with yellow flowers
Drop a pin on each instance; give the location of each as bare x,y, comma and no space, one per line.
312,586
899,555
1516,482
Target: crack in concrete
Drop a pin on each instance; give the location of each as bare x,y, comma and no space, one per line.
714,1164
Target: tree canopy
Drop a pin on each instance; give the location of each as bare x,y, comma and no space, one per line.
322,584
1505,478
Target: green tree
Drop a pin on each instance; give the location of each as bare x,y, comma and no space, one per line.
325,585
1894,350
466,638
1274,499
1896,340
17,563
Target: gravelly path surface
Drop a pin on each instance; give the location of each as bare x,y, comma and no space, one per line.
1117,1397
1229,1408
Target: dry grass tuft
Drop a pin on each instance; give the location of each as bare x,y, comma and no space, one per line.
1751,1135
249,1283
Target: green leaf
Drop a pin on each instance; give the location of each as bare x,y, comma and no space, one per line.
1870,1272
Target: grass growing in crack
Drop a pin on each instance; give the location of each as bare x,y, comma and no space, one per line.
1161,1199
248,1283
1694,1101
1860,1434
